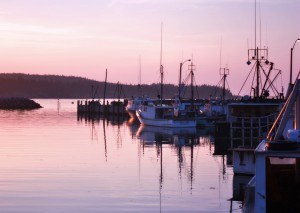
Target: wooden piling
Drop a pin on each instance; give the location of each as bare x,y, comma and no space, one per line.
95,108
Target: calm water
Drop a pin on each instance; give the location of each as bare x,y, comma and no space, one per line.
52,161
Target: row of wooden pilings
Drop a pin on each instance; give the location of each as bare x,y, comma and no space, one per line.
90,107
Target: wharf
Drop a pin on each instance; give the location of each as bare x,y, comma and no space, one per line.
94,107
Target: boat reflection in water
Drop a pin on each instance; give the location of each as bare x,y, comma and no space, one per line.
176,136
169,161
159,137
184,140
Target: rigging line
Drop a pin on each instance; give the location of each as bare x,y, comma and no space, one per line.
298,75
197,91
245,81
273,86
227,85
269,81
267,77
215,90
195,84
187,79
253,83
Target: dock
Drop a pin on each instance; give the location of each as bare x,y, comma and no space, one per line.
94,107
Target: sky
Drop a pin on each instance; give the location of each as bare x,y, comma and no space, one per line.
131,37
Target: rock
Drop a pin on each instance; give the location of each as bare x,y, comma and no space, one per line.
18,103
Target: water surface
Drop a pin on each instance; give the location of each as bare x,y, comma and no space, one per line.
51,160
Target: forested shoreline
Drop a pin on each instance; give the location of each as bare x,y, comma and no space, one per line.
58,86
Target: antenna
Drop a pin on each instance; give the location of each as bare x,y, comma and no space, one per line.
254,23
259,26
161,28
221,53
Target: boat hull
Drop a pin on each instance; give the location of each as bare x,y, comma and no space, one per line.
177,123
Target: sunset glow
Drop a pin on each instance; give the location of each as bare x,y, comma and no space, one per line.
83,38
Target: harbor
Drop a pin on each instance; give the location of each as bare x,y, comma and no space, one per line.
80,164
247,129
134,106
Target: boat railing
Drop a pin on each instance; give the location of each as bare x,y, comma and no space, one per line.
249,131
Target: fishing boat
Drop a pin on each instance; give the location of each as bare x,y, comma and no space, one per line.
250,118
164,115
134,104
276,185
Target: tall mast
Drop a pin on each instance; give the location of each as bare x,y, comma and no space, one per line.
161,67
105,87
140,78
255,24
224,72
257,74
192,68
258,55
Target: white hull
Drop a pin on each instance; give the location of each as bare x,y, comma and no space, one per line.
172,122
134,104
167,123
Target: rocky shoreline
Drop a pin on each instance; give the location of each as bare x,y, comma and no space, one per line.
18,103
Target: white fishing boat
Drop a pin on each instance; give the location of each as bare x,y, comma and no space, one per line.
134,104
164,116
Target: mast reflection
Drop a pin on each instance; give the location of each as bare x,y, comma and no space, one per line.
177,138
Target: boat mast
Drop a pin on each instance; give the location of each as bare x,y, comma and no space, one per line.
224,72
161,67
140,78
105,87
192,68
257,54
180,85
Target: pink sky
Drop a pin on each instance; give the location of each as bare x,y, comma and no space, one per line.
84,37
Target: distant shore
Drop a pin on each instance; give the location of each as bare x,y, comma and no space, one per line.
70,87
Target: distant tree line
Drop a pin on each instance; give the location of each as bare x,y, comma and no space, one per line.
56,86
